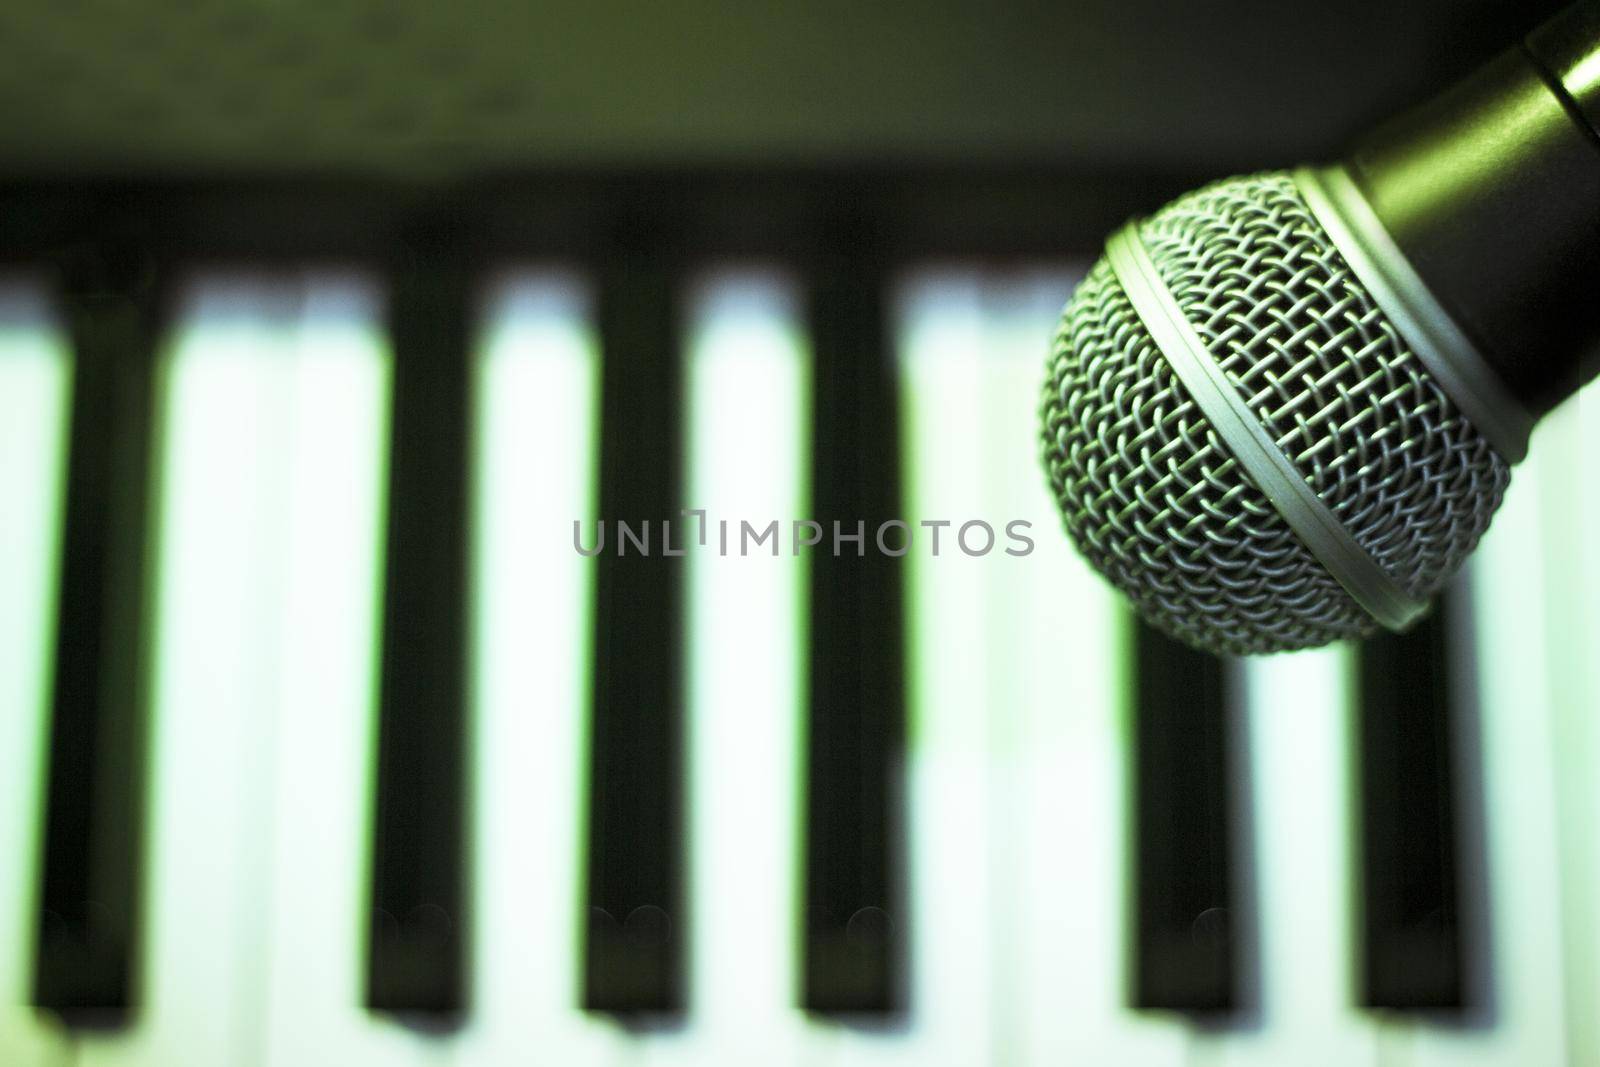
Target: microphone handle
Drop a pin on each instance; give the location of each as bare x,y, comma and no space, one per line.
1491,191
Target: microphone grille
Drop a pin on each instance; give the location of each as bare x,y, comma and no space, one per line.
1156,500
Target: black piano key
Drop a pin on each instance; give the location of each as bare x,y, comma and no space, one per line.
95,800
636,923
1187,940
855,931
1411,917
416,959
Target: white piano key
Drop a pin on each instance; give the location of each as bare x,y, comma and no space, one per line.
536,461
35,381
223,411
747,453
945,377
316,915
1525,1020
1297,749
1569,499
1576,520
1058,636
1017,737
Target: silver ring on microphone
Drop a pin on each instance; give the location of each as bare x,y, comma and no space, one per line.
1272,471
1428,330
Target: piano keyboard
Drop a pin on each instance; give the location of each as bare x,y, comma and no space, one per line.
384,771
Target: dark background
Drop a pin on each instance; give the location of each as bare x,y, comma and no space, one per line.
420,88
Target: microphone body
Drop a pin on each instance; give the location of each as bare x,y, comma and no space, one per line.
1283,409
1491,191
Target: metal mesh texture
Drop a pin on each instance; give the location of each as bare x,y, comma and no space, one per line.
1155,499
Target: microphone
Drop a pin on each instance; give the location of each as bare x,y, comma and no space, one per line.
1282,410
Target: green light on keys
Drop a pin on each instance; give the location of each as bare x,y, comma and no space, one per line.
748,444
35,385
536,464
222,410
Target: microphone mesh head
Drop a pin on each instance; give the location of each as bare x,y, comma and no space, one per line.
1156,500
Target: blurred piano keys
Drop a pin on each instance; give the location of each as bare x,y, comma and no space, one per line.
1018,836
